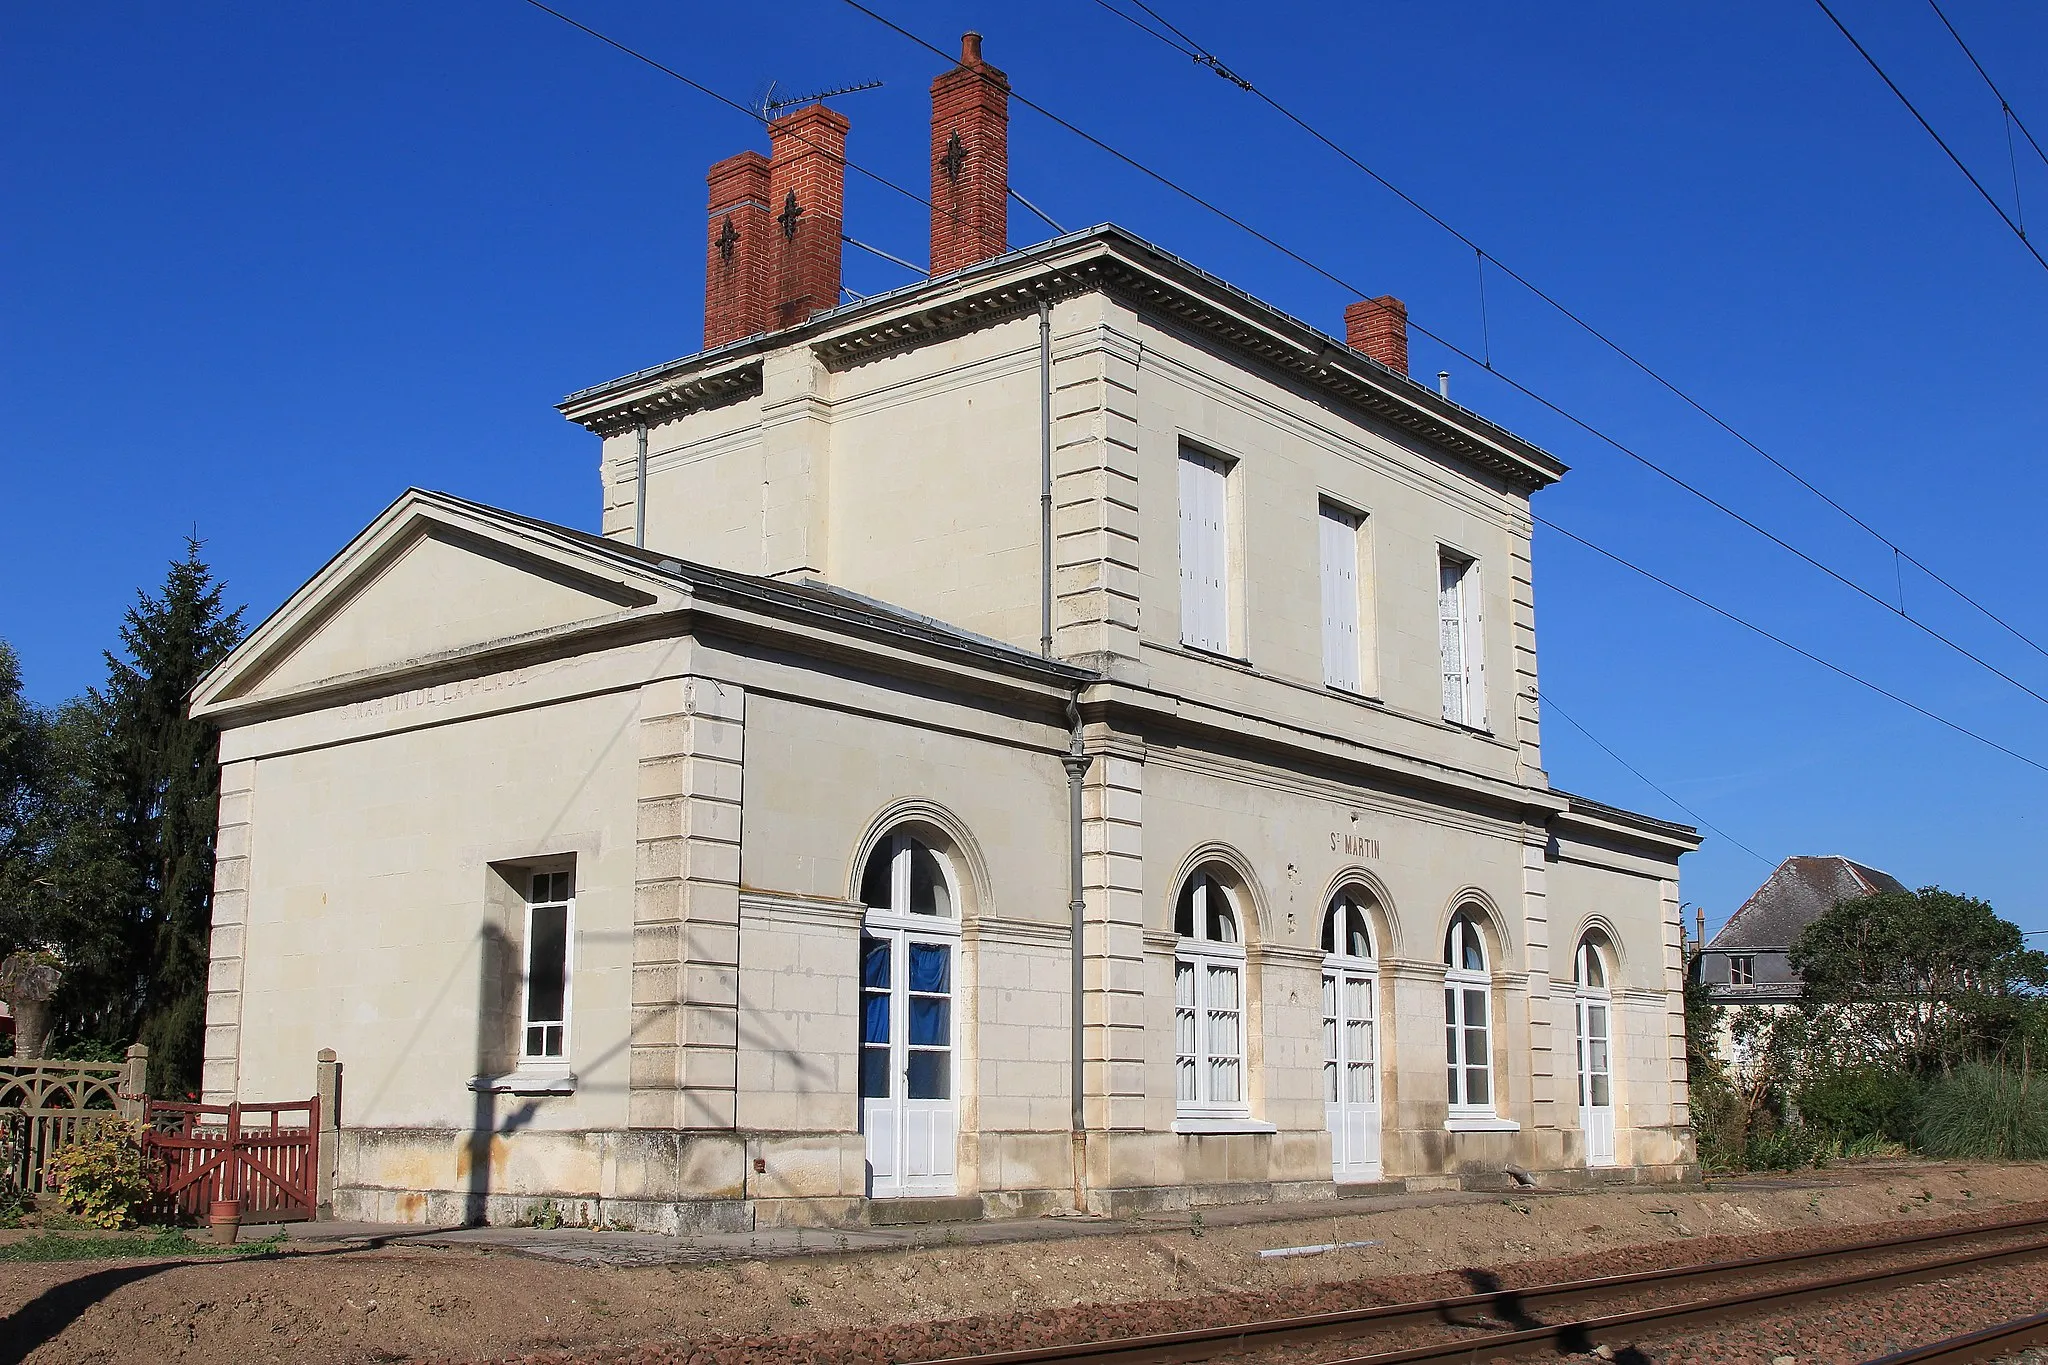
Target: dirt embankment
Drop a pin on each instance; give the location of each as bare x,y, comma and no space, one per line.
407,1303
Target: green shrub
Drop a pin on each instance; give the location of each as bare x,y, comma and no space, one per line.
1866,1103
1988,1112
102,1174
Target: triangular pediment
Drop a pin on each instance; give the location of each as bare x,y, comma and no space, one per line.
433,579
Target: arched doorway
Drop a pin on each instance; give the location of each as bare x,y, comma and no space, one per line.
1594,1002
909,959
1351,1072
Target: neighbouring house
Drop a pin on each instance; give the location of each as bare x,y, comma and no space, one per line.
1060,733
1749,961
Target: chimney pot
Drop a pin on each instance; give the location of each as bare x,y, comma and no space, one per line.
970,162
1379,327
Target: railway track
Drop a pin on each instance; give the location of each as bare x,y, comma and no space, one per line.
1504,1323
1993,1343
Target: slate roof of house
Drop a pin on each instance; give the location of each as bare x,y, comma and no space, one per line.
1798,893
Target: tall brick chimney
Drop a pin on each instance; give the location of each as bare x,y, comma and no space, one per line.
807,212
970,161
1379,327
736,264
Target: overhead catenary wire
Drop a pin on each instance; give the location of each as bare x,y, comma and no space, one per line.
1187,46
2003,103
1832,667
1584,425
1548,703
1804,653
1914,110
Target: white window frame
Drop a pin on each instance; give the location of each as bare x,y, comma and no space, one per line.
1748,976
1204,959
1340,1057
1459,983
1591,994
1205,542
900,927
1460,627
530,1060
1340,537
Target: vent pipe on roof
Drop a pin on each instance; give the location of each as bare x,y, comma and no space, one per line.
1443,383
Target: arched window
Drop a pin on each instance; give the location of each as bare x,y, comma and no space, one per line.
1468,1042
1351,1096
909,949
906,876
1594,1005
1208,999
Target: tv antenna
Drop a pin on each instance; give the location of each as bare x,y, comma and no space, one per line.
768,106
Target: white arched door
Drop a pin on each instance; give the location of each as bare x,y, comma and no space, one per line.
1595,1008
1351,1081
909,968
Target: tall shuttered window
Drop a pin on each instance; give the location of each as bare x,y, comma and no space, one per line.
1343,645
1459,641
1204,552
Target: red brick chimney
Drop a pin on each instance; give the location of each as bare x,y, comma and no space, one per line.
736,266
970,161
806,212
1379,327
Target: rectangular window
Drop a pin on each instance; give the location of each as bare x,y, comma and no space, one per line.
1459,641
1468,1054
1742,971
1208,1034
550,919
1342,658
1204,552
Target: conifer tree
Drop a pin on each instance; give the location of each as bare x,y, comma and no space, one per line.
133,860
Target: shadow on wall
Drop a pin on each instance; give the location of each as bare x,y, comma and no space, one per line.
497,1003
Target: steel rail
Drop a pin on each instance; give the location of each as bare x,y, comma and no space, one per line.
1514,1305
1989,1344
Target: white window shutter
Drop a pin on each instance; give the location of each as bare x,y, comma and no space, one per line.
1475,650
1204,553
1339,534
1450,611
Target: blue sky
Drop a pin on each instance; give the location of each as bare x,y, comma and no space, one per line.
267,265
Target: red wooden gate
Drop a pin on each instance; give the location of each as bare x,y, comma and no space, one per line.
263,1155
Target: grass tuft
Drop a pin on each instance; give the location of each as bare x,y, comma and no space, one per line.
1986,1112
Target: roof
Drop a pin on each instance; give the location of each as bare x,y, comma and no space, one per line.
1104,257
1798,893
811,594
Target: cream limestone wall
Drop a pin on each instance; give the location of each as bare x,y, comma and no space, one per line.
369,897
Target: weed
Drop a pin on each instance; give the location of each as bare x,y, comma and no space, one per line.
799,1299
1195,1224
545,1214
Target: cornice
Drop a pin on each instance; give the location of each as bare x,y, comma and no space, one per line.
1098,259
669,401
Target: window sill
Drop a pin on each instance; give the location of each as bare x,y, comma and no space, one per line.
1480,1123
554,1081
1192,1124
1216,656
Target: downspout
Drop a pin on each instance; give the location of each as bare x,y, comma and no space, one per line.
1075,761
1045,478
640,493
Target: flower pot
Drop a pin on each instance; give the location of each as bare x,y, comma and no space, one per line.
225,1220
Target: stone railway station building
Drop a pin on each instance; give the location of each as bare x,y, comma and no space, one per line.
1060,733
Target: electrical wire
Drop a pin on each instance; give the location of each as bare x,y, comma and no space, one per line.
1996,207
1720,611
1459,351
2003,103
1796,649
1546,701
1186,46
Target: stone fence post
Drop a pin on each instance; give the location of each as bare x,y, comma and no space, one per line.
131,1097
327,1158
